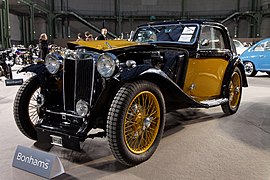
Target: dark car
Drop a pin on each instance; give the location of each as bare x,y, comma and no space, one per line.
125,88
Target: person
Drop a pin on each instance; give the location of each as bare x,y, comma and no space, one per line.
103,35
43,46
88,36
79,38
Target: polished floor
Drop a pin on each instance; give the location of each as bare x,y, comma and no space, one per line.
197,144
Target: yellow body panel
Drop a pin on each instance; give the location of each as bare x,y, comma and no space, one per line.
105,44
204,77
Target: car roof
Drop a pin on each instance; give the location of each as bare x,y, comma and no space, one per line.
197,21
262,41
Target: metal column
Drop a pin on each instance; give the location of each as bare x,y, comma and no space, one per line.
118,28
5,32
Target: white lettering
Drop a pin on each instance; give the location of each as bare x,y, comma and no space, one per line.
33,161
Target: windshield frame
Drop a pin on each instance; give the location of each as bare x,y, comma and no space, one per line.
156,26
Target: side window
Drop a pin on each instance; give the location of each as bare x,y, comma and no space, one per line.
267,46
213,36
259,47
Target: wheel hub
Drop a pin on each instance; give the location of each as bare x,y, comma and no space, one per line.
146,123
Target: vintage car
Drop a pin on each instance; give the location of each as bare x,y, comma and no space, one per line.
125,88
240,47
257,58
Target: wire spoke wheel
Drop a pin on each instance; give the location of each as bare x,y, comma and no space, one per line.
233,92
25,108
142,122
33,107
235,84
135,122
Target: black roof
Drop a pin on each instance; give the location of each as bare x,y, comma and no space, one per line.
197,21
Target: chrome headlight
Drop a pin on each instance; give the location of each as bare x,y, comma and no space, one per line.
53,62
106,64
82,108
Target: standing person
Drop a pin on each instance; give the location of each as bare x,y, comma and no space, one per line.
103,35
43,46
79,38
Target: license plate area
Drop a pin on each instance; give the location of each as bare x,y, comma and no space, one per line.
56,140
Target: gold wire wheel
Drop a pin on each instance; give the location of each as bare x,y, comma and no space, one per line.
33,107
235,85
142,122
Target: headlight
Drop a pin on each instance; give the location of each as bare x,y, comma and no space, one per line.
81,108
53,62
106,64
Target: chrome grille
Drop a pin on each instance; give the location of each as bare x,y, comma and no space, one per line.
78,82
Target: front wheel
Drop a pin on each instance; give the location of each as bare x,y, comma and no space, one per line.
233,92
250,69
135,122
25,107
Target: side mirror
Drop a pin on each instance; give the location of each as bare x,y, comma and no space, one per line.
205,42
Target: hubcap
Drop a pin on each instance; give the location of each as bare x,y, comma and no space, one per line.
235,90
142,122
249,68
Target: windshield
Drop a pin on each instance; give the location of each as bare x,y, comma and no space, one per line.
184,34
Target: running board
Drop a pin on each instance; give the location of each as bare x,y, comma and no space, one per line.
214,102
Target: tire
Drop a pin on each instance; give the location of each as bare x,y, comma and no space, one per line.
25,107
233,92
128,123
250,69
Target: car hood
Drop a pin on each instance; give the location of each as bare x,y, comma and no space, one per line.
102,44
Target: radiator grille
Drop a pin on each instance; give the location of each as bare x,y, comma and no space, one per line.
78,82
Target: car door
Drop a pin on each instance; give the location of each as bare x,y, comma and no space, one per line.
207,68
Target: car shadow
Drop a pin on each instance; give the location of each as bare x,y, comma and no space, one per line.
176,120
96,152
251,124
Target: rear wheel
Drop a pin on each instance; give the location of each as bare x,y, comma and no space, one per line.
250,69
233,92
135,122
25,107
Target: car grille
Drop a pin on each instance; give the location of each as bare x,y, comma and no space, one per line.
78,82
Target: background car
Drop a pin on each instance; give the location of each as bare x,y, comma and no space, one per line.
257,58
240,47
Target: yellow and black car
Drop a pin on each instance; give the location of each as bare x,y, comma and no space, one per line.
125,88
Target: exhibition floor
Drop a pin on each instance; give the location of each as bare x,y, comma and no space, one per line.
197,144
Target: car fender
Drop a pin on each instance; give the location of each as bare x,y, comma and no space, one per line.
38,69
236,62
174,96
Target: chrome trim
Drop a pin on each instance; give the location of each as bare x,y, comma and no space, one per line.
92,88
75,82
64,114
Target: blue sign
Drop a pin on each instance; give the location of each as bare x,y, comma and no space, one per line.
37,162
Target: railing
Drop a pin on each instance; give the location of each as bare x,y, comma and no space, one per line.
88,13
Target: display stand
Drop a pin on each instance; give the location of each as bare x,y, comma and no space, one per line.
37,162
